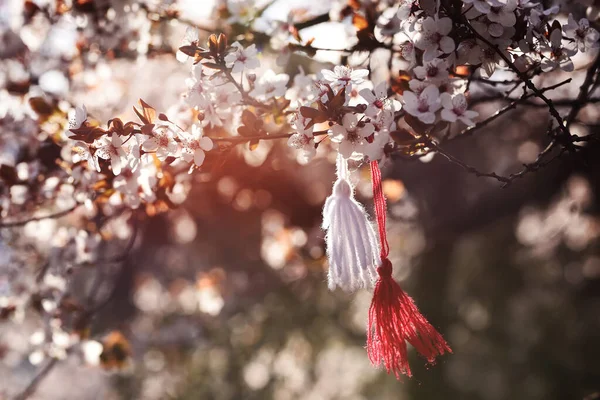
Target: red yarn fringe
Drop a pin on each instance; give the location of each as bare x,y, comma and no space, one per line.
394,318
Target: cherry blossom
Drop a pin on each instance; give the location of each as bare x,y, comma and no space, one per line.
191,37
196,95
303,139
434,38
194,146
270,85
303,89
111,149
455,108
376,99
242,59
490,59
351,136
434,71
162,142
242,11
425,58
407,52
404,9
503,12
82,152
136,185
374,147
424,105
342,76
584,35
557,55
78,118
538,16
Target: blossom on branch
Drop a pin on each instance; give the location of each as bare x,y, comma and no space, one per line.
584,35
351,136
433,39
242,59
455,108
111,149
195,145
424,105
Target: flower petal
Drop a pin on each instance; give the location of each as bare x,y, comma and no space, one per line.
205,143
199,157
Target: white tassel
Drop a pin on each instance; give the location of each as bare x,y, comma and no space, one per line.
352,246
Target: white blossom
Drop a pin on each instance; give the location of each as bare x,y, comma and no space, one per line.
194,146
137,185
111,149
303,139
351,136
342,76
434,71
377,99
424,105
242,59
242,11
434,39
407,52
78,117
503,12
82,152
557,55
455,108
162,142
584,35
270,85
191,37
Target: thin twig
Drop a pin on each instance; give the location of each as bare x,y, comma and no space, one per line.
468,131
243,139
521,76
464,165
11,224
584,91
32,387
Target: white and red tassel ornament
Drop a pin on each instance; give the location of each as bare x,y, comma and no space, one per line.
357,261
352,246
394,319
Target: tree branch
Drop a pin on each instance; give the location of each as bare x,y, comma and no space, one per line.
11,224
32,387
468,131
521,76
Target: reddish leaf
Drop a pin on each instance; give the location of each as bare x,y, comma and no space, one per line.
190,50
41,106
222,42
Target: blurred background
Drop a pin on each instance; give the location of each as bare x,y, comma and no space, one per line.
226,296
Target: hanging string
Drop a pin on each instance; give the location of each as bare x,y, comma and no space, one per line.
380,208
341,167
394,318
352,248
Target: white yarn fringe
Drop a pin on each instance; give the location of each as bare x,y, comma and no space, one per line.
352,246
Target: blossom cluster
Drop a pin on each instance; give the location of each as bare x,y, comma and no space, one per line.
234,98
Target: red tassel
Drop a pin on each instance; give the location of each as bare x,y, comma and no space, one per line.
394,319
